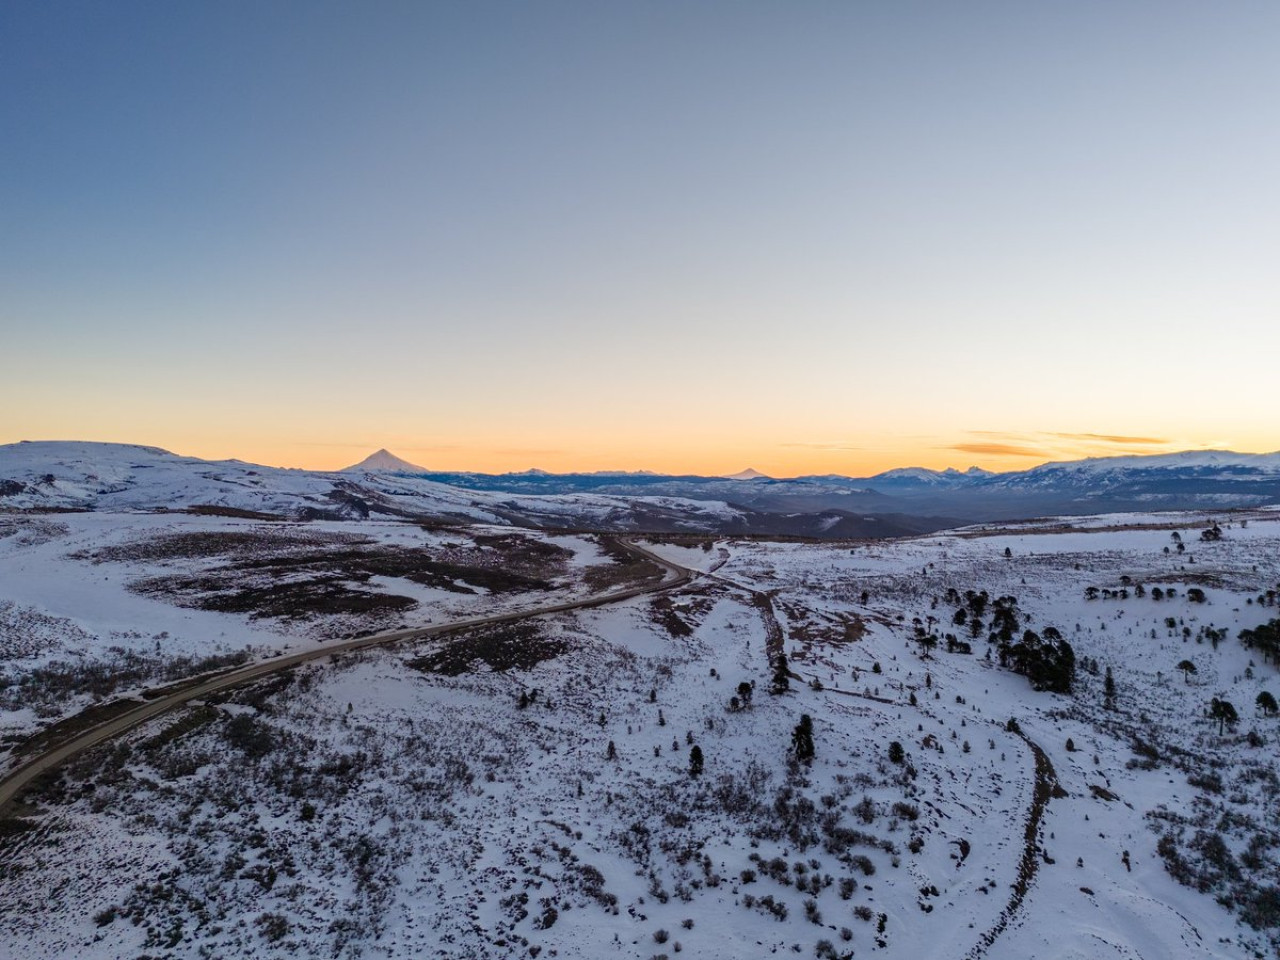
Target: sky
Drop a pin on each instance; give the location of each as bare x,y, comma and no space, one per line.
806,237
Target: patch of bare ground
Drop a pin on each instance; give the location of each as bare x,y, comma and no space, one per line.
225,544
519,646
291,600
299,574
680,616
625,567
213,510
804,626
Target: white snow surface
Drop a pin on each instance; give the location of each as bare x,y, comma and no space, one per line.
115,477
449,822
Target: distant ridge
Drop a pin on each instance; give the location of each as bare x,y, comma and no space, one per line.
384,461
748,474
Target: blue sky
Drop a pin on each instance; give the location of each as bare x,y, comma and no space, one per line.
811,237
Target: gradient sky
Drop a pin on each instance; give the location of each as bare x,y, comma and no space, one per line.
682,236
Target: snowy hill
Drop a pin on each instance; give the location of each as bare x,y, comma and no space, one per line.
62,475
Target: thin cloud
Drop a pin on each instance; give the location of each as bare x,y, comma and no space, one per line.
828,445
1109,438
998,449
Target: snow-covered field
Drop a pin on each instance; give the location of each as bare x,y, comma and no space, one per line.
528,790
98,604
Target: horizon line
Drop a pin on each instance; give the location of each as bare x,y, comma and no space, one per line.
419,469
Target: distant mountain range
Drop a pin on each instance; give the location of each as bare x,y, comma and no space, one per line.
63,475
1175,481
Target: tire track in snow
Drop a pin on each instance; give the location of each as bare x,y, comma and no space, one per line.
1046,780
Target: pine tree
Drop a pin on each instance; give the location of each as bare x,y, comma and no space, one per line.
1109,690
802,739
695,761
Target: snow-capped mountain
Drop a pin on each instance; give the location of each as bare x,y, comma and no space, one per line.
904,477
748,474
384,461
1193,465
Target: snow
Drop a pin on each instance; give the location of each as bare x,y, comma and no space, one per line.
464,801
118,477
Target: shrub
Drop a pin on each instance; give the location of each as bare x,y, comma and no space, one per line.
907,811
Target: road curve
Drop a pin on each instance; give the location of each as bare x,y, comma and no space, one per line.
14,783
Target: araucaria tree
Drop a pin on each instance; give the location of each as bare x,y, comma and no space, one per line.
1187,668
781,675
1266,703
1047,661
1224,713
1265,638
802,739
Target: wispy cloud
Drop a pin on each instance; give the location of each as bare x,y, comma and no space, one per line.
824,445
998,449
1109,438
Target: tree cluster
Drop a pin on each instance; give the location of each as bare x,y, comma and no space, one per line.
1265,638
1046,660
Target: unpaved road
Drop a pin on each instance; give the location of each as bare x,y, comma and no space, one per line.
14,783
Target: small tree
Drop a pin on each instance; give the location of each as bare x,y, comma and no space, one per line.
695,761
802,739
1187,668
781,675
612,752
744,692
896,753
1267,703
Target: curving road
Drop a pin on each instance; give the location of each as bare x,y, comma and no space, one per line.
14,783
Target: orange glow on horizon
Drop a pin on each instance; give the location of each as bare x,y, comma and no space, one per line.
682,456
